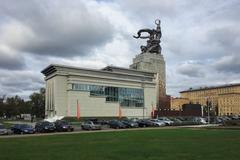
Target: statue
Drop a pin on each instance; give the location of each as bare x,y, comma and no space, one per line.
153,42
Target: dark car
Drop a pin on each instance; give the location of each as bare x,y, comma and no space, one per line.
116,124
22,129
130,124
103,122
90,125
44,127
146,123
62,126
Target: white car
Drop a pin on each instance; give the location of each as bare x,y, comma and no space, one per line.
157,122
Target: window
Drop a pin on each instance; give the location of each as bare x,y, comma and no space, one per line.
111,94
127,97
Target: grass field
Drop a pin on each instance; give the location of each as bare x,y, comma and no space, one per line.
174,144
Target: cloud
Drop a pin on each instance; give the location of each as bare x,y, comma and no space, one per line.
228,64
11,63
52,28
18,82
149,8
227,38
191,69
200,41
10,60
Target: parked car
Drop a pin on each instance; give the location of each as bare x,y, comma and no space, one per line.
167,121
45,127
146,123
62,126
3,130
176,121
130,124
97,121
23,129
199,120
134,119
225,118
218,120
235,117
90,125
158,122
103,122
117,124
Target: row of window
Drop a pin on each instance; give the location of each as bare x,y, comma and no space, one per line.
127,97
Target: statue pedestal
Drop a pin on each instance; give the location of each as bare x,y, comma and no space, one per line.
152,62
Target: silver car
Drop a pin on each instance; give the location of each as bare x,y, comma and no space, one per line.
158,122
167,121
3,130
89,125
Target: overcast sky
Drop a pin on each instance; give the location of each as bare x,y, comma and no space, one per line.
200,42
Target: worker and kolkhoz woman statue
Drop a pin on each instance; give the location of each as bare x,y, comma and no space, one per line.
153,42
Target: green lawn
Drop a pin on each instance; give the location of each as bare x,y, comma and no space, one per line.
174,144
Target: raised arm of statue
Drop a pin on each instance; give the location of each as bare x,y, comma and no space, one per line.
158,33
149,31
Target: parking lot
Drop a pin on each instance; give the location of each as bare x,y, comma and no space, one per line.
24,129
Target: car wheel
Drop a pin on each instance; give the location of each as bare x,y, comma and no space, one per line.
144,125
21,132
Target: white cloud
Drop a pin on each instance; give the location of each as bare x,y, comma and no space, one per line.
200,39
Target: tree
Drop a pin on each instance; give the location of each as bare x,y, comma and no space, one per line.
2,105
38,103
2,98
13,106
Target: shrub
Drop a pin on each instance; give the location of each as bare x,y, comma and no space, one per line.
232,123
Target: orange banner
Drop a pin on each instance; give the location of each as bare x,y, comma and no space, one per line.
78,110
119,112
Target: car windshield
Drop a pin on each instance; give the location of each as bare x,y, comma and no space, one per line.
64,122
88,122
25,126
1,127
47,124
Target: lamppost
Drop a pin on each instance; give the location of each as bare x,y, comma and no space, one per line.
208,113
208,109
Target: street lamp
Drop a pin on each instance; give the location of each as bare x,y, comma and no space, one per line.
208,113
208,110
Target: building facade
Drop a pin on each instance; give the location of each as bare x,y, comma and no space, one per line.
152,62
177,103
99,93
223,99
229,104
